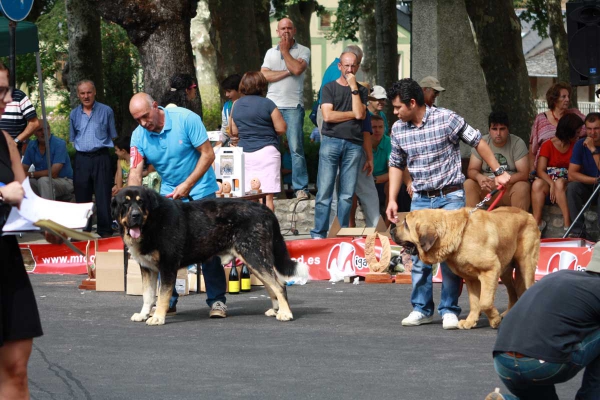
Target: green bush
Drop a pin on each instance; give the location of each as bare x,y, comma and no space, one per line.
311,150
212,117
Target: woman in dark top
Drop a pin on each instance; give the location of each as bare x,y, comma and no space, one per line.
19,318
257,122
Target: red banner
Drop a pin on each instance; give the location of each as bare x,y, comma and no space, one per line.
326,258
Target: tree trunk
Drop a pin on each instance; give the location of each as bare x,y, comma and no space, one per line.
85,50
560,43
160,29
300,14
236,53
368,37
262,8
498,36
387,46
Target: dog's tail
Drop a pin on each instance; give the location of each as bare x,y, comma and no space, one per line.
287,269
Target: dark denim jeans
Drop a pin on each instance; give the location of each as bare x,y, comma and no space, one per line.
422,293
530,378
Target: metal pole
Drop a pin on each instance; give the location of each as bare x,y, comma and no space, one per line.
585,206
12,33
46,138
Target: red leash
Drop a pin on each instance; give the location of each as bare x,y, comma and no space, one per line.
488,197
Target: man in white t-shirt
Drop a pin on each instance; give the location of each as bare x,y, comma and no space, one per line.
284,68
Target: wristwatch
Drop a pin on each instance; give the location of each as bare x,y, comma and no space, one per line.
17,141
355,91
596,151
499,171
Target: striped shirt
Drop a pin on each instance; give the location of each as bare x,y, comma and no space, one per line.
431,151
93,132
17,113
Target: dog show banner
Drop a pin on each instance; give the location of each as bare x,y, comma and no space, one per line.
327,259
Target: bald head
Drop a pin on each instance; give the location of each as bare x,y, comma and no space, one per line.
145,111
285,27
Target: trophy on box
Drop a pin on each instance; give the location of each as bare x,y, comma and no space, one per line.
255,186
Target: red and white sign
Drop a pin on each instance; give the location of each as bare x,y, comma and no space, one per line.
327,259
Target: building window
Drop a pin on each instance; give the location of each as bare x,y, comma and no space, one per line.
325,20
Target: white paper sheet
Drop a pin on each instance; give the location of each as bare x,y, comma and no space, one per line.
34,208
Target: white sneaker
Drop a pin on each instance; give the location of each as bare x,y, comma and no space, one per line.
450,321
416,318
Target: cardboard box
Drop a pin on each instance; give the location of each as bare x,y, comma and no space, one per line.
336,229
134,278
110,271
192,283
229,167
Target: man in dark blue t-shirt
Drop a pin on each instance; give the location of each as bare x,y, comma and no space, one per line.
584,174
551,334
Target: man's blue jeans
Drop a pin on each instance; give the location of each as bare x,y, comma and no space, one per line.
214,279
335,154
294,118
422,293
528,378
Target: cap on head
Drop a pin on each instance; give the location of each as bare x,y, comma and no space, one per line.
431,82
594,265
378,93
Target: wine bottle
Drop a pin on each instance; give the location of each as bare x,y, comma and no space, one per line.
246,285
234,280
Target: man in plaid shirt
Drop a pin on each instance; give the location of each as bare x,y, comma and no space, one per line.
426,140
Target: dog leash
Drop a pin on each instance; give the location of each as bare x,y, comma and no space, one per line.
488,197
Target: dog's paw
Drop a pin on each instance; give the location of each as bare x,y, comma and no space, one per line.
155,320
284,316
139,317
466,324
271,312
495,323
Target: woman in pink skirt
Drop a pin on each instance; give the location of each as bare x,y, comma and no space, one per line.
256,122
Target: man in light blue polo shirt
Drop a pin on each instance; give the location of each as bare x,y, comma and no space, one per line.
175,142
60,165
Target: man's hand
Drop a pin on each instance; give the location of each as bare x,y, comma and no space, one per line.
181,191
368,167
589,143
13,193
486,183
285,43
114,190
502,179
392,211
351,79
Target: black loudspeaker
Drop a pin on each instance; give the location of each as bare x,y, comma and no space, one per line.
583,27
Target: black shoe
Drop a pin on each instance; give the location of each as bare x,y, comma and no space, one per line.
105,235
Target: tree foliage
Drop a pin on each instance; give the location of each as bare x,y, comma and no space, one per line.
348,16
536,11
281,7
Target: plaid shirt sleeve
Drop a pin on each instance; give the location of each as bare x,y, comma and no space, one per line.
463,131
398,156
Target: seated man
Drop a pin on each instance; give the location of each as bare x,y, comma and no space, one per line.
511,153
584,173
62,173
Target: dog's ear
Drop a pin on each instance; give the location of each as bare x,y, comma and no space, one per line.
153,199
114,209
427,236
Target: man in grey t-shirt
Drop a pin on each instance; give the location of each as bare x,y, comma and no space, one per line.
284,68
344,107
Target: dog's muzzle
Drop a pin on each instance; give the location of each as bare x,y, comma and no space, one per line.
134,222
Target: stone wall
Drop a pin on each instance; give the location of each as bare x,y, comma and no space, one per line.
300,215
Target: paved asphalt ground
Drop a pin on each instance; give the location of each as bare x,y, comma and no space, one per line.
346,342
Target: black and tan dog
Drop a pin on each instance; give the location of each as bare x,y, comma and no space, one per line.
480,248
165,235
